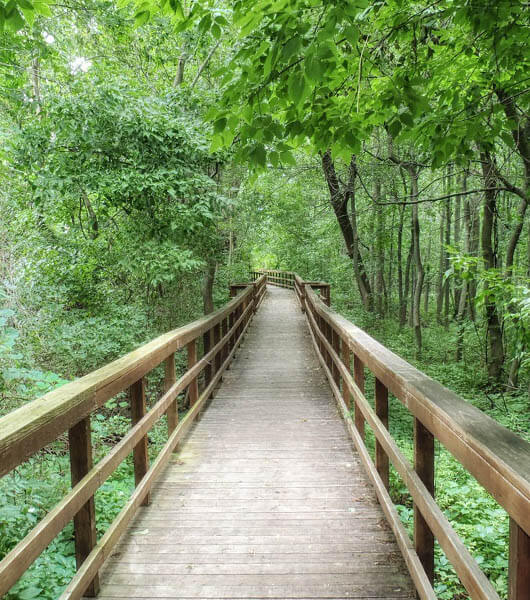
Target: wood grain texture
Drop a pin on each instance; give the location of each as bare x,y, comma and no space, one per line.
266,498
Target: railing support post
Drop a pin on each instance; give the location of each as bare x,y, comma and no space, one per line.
519,564
169,379
358,375
381,410
216,339
335,343
424,466
224,331
80,442
207,344
346,359
193,389
140,452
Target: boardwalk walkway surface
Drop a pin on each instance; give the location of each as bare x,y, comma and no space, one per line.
266,497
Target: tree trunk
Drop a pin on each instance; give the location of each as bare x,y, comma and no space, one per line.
380,256
207,287
179,76
446,284
495,348
339,201
440,281
418,265
401,296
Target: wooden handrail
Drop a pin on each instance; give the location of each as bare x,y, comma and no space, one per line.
496,457
28,429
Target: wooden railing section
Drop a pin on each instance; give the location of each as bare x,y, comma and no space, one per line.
67,409
497,458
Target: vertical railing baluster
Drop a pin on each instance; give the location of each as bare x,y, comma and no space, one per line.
329,338
519,564
224,331
346,359
424,466
207,345
358,375
170,377
381,410
335,342
81,461
193,388
140,452
216,339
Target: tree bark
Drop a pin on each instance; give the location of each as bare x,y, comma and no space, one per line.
339,199
418,265
495,347
207,287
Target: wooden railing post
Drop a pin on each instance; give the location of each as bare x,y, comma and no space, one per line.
335,342
140,452
346,359
224,331
170,377
381,410
193,389
519,564
80,443
424,466
231,321
216,339
358,375
207,345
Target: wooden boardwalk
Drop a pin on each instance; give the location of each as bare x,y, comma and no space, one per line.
266,497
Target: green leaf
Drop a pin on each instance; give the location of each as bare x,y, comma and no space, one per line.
219,125
29,593
42,9
141,18
258,155
296,87
314,69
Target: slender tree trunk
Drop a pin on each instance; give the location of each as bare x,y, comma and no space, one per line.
207,287
456,239
495,347
463,292
402,305
380,256
408,286
418,265
181,65
440,280
446,285
339,201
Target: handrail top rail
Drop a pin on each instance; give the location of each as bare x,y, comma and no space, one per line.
32,426
490,452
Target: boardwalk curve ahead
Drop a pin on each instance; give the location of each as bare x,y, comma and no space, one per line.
266,497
